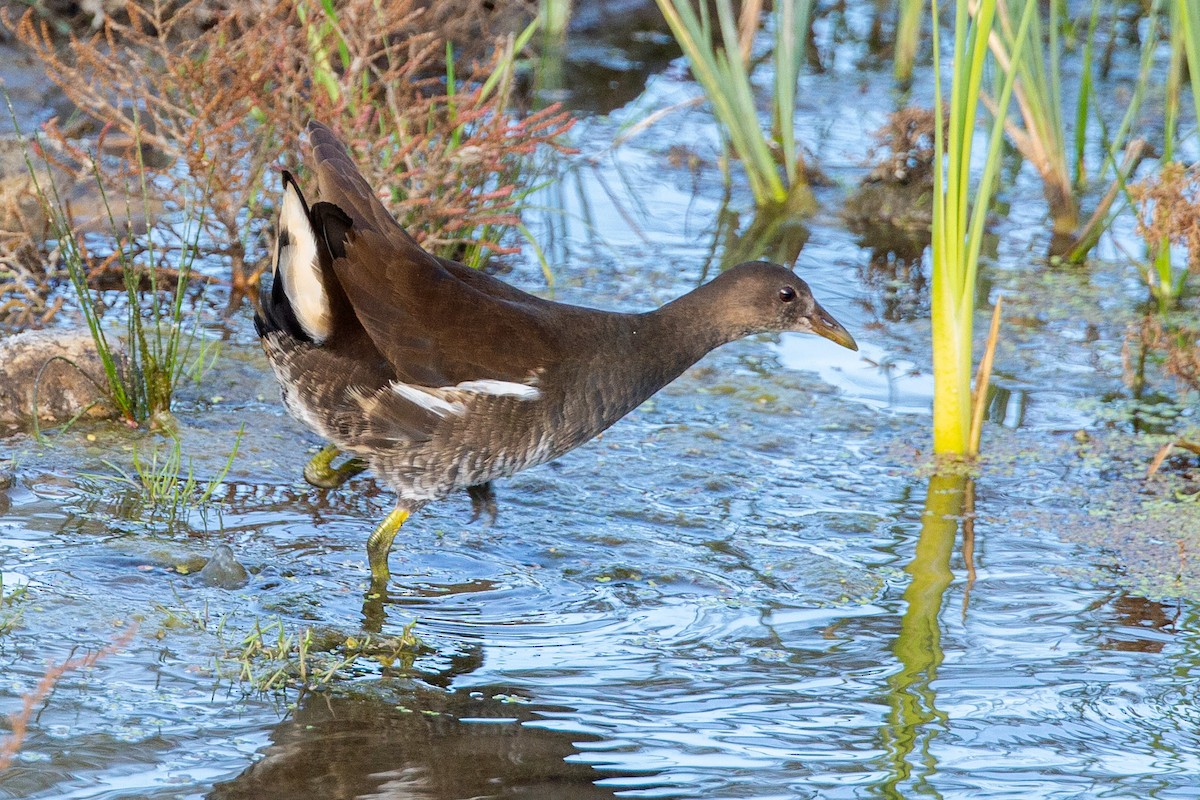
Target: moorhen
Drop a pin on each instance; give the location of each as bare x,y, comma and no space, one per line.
440,377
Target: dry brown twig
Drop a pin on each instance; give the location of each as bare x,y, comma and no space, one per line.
19,721
1164,451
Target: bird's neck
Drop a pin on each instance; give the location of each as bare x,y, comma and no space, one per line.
632,356
689,327
665,342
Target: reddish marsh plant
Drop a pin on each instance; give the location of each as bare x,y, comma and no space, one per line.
1168,213
218,99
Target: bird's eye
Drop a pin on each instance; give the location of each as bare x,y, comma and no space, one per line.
787,294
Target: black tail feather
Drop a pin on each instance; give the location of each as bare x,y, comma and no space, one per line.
333,226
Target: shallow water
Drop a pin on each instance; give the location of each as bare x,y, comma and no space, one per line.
751,587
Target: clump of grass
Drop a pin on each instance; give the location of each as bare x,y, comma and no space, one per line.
1032,56
141,377
959,217
1038,92
724,73
165,486
271,658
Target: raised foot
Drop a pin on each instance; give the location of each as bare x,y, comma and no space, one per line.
320,472
483,501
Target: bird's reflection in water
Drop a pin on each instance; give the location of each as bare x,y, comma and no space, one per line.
421,745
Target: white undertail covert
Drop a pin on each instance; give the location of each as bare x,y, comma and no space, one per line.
296,257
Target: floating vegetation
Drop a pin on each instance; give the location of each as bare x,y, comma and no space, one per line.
271,658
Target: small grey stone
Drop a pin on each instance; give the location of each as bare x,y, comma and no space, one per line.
223,570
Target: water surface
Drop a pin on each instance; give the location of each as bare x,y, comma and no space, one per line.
750,588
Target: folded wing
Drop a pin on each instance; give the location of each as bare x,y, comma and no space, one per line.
437,323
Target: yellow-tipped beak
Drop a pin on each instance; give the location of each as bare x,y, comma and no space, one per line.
823,324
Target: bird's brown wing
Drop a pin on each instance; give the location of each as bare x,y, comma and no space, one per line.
339,182
438,323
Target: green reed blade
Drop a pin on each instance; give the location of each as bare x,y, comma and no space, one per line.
957,227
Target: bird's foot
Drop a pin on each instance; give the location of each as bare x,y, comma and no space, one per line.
379,546
483,501
320,472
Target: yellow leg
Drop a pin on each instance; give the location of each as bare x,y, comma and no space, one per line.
319,472
379,545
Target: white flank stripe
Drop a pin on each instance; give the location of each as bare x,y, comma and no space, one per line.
501,388
299,264
426,400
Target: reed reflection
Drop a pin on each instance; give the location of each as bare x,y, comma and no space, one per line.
913,719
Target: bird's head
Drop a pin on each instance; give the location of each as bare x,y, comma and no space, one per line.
761,297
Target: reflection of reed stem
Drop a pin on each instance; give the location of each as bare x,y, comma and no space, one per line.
968,543
918,645
908,34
